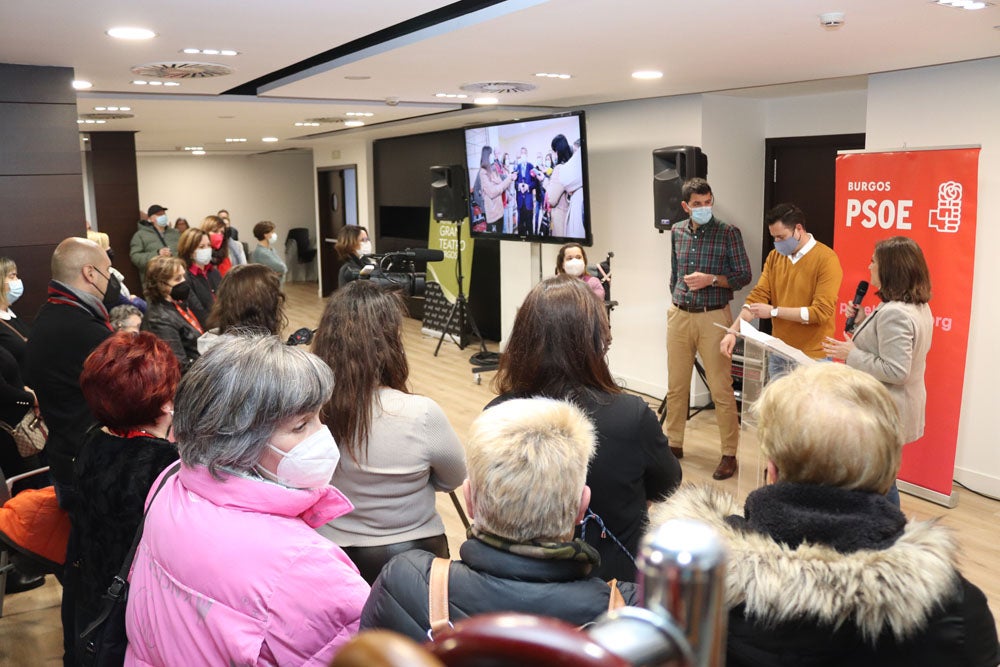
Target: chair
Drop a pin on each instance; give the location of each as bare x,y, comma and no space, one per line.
33,529
304,252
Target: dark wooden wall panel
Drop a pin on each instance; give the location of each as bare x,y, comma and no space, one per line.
41,209
37,85
39,139
116,196
41,181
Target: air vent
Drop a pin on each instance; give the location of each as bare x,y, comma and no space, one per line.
106,116
498,87
186,70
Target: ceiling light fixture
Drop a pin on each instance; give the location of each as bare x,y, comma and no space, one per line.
269,140
647,74
305,124
139,82
197,152
451,96
360,114
170,83
235,140
211,52
194,148
131,33
80,84
485,100
551,75
353,123
155,83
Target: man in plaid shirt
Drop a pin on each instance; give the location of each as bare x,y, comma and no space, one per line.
708,263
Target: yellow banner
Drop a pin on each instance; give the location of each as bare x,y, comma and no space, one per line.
446,236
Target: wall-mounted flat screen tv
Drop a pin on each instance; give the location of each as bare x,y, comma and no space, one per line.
528,180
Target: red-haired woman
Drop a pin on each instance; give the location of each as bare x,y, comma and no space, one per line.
129,383
557,350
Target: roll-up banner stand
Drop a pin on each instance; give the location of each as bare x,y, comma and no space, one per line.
929,195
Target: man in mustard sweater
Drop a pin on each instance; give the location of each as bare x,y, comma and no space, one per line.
797,288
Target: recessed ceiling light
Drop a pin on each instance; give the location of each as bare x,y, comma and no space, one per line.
551,75
647,74
305,124
155,83
140,82
131,33
197,152
194,148
102,108
191,51
353,123
210,52
80,84
228,52
235,140
170,83
485,100
269,140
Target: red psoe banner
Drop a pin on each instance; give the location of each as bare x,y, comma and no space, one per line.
931,197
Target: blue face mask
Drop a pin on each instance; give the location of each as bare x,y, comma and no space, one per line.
701,215
787,246
15,288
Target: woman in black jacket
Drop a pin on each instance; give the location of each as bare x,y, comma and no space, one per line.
557,349
352,248
168,314
129,383
195,248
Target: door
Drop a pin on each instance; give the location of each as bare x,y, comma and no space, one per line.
802,170
333,215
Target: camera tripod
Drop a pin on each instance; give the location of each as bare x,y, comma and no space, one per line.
461,309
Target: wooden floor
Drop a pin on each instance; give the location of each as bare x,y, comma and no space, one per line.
30,631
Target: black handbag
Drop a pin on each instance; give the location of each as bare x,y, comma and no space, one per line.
102,643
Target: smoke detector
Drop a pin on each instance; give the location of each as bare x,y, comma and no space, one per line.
831,20
181,70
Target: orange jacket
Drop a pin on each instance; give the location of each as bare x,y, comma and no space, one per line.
33,521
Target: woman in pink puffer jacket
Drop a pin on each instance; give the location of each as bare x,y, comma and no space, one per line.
230,570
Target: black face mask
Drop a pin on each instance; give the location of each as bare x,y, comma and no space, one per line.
180,291
112,293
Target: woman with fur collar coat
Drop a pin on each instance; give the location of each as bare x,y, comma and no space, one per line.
823,570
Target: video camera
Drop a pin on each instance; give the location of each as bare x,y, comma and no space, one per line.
395,270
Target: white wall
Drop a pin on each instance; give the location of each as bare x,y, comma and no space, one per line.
810,115
954,105
278,187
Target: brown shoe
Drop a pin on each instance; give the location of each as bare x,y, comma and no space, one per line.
678,452
727,468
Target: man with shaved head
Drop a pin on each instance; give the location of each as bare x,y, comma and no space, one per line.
69,326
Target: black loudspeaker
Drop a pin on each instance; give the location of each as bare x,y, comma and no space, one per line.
450,192
671,167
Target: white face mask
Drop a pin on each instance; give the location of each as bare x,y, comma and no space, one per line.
309,464
203,256
274,237
574,267
365,248
162,220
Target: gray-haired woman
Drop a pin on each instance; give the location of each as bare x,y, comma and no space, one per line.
229,558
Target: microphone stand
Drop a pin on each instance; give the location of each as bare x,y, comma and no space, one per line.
461,309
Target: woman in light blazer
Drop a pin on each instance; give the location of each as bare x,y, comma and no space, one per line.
892,342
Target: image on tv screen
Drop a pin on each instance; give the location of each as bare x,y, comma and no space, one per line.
527,180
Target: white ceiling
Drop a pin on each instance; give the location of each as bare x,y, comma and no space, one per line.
703,45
